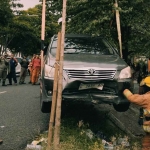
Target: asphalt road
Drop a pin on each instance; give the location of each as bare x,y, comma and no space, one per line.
20,116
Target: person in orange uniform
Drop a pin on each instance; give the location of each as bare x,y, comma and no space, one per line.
36,68
144,102
30,67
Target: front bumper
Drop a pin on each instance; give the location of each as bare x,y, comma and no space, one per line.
96,98
111,94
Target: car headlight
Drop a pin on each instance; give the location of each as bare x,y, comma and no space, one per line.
125,73
49,71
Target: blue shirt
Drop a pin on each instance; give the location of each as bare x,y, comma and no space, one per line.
13,64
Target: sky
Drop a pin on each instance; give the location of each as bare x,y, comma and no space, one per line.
29,3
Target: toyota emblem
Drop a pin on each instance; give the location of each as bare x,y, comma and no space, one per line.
91,71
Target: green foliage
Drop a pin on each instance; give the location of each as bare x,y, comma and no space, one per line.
5,12
27,32
26,35
78,119
21,29
97,17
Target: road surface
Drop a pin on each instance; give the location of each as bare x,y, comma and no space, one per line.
20,116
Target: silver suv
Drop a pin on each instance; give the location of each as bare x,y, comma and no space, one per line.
93,71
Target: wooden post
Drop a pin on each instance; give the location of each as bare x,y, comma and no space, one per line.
42,34
55,91
118,27
60,83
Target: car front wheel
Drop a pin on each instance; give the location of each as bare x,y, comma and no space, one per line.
45,106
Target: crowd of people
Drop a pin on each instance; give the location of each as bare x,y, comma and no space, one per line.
8,69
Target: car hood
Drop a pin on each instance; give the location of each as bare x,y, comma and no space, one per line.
101,61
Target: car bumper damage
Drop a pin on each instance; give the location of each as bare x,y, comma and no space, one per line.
111,93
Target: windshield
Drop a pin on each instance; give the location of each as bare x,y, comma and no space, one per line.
84,45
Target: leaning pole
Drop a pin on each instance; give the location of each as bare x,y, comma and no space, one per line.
42,34
59,97
118,27
54,97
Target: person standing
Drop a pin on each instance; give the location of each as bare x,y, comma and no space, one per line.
3,69
30,67
24,66
36,68
12,70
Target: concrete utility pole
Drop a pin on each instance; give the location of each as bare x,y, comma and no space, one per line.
118,26
42,33
60,83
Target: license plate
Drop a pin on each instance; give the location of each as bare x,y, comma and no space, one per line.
91,86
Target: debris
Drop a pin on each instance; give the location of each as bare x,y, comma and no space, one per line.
123,141
33,147
2,126
107,145
89,133
37,142
115,142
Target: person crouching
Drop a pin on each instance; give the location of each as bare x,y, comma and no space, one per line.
144,102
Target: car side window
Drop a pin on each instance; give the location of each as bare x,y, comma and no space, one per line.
47,58
53,47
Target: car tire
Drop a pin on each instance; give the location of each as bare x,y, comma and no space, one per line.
121,107
45,106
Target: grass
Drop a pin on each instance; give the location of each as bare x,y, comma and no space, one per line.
75,123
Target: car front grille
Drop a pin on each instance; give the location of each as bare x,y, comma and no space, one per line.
97,75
